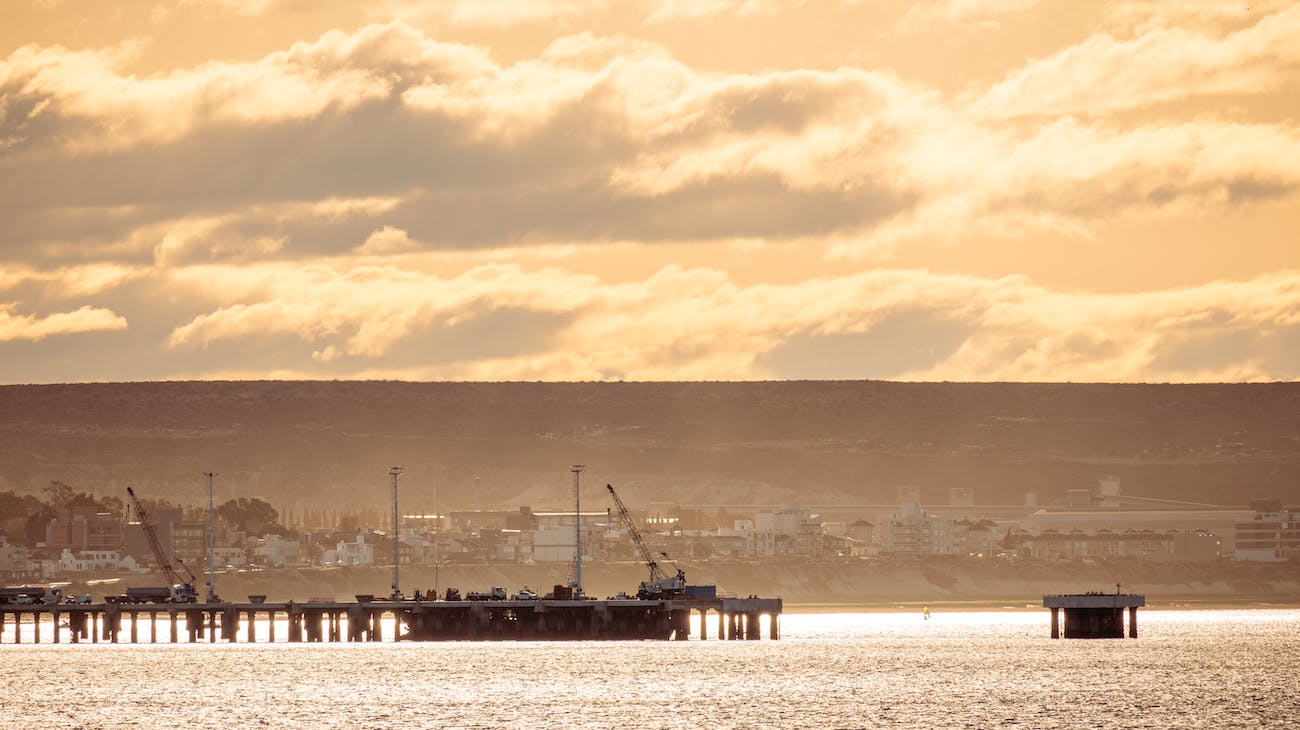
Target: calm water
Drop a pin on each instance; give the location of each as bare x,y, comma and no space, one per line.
1214,669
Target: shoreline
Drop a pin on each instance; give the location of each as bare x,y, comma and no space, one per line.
990,606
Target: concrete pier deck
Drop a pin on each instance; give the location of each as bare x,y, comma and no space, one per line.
1094,615
405,620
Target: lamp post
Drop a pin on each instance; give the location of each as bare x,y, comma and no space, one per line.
212,540
577,532
393,471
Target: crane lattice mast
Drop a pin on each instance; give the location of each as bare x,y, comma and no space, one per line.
151,534
656,573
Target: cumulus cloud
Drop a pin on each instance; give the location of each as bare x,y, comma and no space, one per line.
360,204
31,327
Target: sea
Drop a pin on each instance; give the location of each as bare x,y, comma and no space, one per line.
979,669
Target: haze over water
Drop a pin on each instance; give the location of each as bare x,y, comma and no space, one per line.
991,669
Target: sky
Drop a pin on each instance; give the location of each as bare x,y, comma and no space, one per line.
965,190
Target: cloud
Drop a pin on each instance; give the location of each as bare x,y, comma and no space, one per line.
983,14
387,240
696,323
31,327
1105,74
386,201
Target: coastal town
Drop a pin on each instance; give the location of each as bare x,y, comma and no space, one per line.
73,535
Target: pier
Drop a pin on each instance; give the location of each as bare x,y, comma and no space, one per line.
1094,615
339,621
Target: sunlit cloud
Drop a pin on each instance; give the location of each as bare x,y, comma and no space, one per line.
1105,74
31,327
405,199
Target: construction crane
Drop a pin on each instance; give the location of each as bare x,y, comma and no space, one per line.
660,584
181,590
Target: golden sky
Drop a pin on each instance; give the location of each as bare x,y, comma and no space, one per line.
1029,190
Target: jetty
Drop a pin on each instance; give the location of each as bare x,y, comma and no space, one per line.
393,620
1094,615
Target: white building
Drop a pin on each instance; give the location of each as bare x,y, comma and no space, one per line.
351,553
96,561
14,561
278,552
792,530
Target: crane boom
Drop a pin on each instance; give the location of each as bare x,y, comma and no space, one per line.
151,534
660,585
656,573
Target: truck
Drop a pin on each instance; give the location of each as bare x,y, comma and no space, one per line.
23,595
179,593
496,594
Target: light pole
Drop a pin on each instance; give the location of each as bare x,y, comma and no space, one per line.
212,540
577,532
393,471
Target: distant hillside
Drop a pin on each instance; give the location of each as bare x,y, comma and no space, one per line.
843,442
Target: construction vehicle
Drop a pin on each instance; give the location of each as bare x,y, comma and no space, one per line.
178,590
660,585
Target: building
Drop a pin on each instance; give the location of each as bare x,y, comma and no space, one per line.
15,562
803,531
1270,534
97,561
1078,545
187,540
912,533
277,552
83,528
358,552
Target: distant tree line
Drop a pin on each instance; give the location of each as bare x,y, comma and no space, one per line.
24,518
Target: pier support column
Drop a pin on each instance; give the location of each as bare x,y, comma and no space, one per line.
252,626
171,615
135,628
774,631
1056,623
295,626
1132,622
704,624
722,625
153,627
682,621
94,627
230,624
54,617
270,626
112,623
377,626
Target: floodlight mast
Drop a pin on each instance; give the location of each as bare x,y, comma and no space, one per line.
577,530
393,471
212,540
